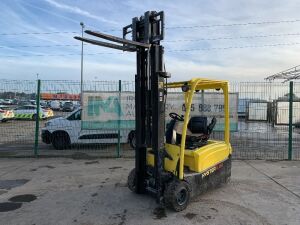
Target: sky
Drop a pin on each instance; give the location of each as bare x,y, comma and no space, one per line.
235,40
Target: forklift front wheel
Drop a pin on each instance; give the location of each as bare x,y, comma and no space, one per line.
131,180
177,195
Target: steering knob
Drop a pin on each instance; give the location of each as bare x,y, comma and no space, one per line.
176,117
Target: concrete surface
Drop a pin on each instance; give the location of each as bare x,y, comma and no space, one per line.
90,192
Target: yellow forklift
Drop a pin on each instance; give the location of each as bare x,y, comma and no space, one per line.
180,161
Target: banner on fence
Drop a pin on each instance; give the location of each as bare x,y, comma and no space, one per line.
60,96
115,110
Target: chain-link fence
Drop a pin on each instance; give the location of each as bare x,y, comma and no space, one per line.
263,131
17,114
103,123
296,129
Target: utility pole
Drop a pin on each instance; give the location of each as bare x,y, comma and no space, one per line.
81,77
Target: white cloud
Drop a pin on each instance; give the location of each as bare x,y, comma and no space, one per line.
79,11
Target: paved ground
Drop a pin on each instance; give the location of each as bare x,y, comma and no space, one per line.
90,192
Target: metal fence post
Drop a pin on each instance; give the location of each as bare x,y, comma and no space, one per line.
37,118
119,120
290,150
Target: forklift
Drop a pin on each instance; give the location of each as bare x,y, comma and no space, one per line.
178,161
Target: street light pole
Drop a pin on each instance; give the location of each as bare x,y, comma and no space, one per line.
95,83
81,78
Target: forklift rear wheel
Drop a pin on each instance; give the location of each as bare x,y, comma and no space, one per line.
177,195
228,170
131,180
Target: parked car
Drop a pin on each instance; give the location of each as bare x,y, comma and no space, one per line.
47,111
76,105
6,113
62,132
43,103
68,107
29,112
7,102
24,102
55,105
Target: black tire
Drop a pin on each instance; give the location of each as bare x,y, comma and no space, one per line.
132,139
34,117
177,195
131,181
60,140
228,170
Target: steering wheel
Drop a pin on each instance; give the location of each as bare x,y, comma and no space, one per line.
175,116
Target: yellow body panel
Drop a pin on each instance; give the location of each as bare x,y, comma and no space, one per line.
197,160
201,159
170,165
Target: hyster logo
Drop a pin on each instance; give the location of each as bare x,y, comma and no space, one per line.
210,171
97,106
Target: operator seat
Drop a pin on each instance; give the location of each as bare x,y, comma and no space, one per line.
198,132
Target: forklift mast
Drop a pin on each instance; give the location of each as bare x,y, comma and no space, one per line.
150,93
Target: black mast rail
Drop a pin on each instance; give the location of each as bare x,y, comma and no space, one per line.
147,31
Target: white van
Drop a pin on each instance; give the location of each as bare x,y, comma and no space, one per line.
62,132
